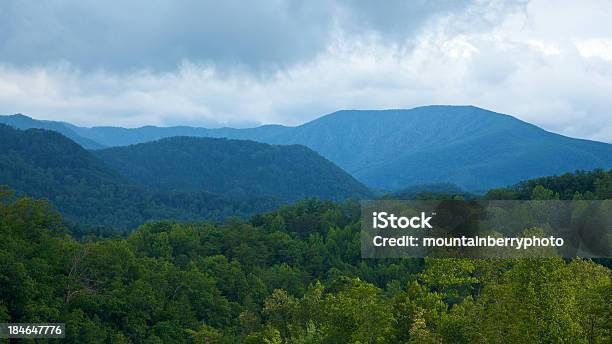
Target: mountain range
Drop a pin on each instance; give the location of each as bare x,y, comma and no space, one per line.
125,187
471,147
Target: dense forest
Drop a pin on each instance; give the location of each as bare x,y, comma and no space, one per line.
293,275
596,184
237,168
94,196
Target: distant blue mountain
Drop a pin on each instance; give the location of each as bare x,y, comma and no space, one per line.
468,146
23,122
473,148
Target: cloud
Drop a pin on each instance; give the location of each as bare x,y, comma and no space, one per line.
596,47
158,34
503,56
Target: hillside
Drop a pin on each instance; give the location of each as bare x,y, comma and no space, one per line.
473,148
289,276
45,164
468,146
23,122
232,167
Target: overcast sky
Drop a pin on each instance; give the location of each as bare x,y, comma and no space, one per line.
166,62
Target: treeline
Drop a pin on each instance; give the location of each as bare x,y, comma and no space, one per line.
290,276
596,184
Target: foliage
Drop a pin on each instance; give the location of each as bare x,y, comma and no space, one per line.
596,184
232,167
290,276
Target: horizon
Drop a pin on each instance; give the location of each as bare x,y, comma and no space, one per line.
37,118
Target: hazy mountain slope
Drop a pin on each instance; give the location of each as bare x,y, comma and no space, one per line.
393,149
232,167
43,163
20,121
471,147
118,136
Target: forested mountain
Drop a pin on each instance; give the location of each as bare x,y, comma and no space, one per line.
293,275
43,163
468,146
178,178
471,147
107,136
23,122
232,167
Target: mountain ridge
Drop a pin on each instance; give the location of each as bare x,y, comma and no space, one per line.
392,149
240,167
46,164
21,121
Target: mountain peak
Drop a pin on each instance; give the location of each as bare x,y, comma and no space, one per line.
426,110
18,116
21,121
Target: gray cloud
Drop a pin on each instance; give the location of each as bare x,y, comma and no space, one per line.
159,34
